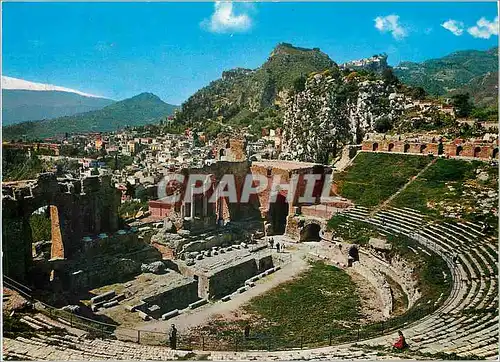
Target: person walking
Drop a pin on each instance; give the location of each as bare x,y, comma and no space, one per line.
173,337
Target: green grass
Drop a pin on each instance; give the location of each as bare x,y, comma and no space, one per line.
314,304
428,269
355,232
450,183
319,302
374,177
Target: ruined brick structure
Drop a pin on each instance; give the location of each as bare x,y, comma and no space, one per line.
203,215
78,207
230,148
53,147
455,148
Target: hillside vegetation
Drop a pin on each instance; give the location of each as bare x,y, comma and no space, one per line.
455,188
242,96
136,111
450,73
374,177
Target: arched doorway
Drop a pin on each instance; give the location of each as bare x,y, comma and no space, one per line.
375,147
354,253
459,150
477,151
495,153
279,212
406,148
222,153
422,148
310,232
391,146
440,148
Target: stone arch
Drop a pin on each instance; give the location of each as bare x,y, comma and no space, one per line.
459,150
310,232
495,152
70,201
222,153
477,151
406,148
375,147
390,147
422,148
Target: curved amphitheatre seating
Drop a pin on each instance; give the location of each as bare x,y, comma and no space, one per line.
465,324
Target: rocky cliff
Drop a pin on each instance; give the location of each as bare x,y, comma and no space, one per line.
336,109
242,95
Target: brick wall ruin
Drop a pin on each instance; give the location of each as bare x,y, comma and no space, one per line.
456,148
79,207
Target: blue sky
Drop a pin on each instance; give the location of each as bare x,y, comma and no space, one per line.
118,50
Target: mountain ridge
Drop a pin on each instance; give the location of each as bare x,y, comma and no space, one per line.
21,105
135,111
441,76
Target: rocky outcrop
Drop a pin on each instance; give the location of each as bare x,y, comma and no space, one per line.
244,93
334,110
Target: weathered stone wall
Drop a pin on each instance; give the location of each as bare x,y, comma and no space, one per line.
454,148
83,207
108,260
228,280
178,297
230,148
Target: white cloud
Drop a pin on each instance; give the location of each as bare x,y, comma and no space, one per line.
484,29
225,20
390,23
456,27
16,83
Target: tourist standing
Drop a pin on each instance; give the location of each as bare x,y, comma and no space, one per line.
278,247
173,337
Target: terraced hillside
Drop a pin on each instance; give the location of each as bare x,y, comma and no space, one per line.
374,177
457,189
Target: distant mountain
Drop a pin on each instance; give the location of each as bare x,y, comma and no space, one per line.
136,111
242,95
483,89
449,73
19,105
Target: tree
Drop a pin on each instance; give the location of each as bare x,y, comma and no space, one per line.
382,125
462,104
389,77
299,84
41,227
440,148
418,93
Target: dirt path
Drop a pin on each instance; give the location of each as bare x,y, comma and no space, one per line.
393,196
202,315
